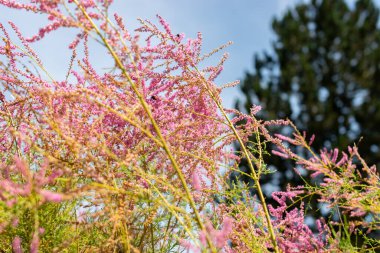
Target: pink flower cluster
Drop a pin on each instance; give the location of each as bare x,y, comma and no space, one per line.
142,152
219,237
294,234
34,183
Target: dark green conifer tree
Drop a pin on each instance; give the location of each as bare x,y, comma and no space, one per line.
323,73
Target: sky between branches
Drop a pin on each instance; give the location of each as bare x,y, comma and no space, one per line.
245,22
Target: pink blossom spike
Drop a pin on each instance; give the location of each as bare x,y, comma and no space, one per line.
34,245
16,245
312,138
222,235
283,155
196,182
51,196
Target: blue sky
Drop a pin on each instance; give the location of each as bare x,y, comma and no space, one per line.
245,22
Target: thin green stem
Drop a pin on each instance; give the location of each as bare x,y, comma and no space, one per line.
248,157
145,106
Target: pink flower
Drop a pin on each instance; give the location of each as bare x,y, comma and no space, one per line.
51,196
196,182
34,245
221,237
16,245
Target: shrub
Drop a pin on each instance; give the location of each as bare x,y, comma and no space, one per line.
137,158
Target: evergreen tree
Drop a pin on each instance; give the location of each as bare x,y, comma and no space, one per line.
324,74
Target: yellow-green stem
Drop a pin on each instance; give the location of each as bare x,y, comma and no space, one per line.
153,121
250,164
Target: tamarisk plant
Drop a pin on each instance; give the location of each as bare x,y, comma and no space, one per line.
134,159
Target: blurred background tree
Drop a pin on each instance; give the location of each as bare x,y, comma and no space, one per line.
323,73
